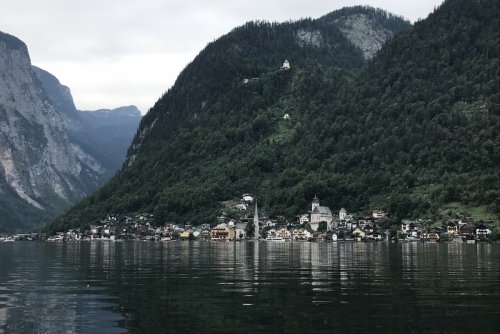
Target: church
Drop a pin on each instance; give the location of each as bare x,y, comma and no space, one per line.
320,214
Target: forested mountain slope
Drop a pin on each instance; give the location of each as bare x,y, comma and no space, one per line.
414,128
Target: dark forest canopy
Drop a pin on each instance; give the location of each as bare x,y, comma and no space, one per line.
412,129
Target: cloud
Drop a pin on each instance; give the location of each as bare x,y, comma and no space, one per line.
113,53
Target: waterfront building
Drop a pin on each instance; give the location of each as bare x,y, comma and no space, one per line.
320,214
221,232
284,233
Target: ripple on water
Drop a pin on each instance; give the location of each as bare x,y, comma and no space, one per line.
250,288
39,298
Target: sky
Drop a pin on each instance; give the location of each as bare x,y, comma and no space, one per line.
114,53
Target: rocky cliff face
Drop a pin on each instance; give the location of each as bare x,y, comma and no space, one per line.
36,158
101,137
364,32
60,97
42,170
366,27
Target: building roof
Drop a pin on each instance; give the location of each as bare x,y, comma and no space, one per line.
482,226
324,210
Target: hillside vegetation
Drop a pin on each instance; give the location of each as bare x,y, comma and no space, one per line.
408,131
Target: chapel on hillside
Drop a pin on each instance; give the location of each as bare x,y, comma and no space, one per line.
286,65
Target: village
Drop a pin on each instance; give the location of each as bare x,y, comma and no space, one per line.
318,224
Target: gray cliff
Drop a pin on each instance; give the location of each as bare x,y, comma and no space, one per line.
102,136
44,163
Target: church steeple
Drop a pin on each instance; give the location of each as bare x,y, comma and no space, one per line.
256,222
315,203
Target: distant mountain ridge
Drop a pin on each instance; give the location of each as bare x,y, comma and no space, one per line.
44,162
104,134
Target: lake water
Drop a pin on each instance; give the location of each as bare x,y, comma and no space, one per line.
249,287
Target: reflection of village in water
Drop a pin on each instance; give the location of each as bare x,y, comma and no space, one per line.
243,265
249,267
331,272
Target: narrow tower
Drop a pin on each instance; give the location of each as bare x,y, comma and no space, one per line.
315,203
256,222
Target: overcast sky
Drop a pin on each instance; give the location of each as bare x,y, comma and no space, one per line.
113,53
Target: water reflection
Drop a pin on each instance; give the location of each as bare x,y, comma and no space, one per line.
248,287
41,291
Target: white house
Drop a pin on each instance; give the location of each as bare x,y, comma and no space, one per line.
269,223
482,230
410,228
241,206
247,198
240,231
301,234
343,214
286,65
378,214
284,233
304,219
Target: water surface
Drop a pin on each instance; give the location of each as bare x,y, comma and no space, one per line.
249,287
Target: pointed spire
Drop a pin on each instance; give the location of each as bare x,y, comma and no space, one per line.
256,221
314,203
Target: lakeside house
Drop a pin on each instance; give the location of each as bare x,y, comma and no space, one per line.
482,231
284,233
358,234
411,229
222,232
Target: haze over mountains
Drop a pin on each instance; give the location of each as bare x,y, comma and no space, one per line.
51,154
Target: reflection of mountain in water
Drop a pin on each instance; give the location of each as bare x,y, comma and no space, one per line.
41,297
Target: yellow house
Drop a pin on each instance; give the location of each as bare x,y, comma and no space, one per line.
185,235
221,232
452,228
358,234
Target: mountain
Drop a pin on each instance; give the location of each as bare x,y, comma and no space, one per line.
405,129
104,134
38,163
44,164
109,134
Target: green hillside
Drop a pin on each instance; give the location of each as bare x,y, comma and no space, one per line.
412,129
